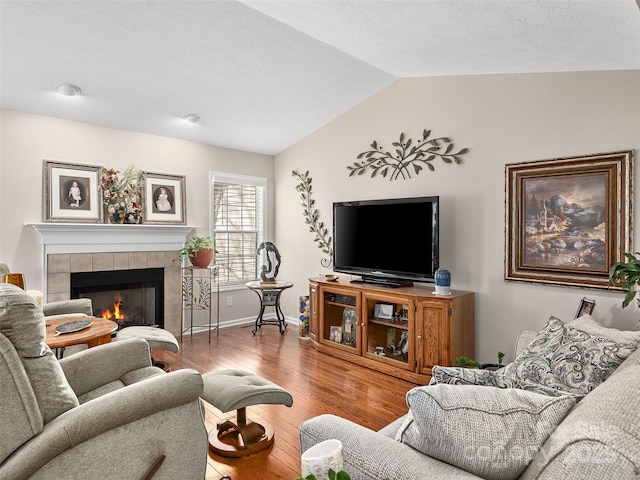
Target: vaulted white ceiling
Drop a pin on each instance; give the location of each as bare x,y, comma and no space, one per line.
265,74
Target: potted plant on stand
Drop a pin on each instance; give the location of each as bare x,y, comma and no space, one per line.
199,250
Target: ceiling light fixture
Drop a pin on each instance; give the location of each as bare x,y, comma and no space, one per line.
68,89
192,118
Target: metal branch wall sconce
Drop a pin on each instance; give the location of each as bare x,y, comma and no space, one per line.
407,157
312,216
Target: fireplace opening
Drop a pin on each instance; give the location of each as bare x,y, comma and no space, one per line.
128,297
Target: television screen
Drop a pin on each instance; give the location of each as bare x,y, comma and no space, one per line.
387,241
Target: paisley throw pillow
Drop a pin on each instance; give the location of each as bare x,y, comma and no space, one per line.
566,359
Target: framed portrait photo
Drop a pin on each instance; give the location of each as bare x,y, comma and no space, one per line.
71,193
568,220
164,199
586,307
335,334
383,311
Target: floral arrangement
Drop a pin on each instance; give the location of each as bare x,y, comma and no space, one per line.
122,194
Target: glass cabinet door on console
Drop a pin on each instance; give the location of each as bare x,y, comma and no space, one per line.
388,329
339,319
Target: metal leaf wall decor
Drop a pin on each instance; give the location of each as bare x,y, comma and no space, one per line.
312,218
407,157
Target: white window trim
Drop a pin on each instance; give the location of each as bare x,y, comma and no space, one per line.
226,177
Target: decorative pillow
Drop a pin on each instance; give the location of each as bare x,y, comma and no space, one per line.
22,322
474,376
491,432
567,359
586,323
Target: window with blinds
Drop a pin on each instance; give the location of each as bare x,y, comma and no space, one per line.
238,224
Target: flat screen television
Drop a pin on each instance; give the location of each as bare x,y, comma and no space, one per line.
390,242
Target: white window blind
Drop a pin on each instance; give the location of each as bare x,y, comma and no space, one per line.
238,222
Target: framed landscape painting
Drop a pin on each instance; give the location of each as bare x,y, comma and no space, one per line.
568,220
164,199
71,193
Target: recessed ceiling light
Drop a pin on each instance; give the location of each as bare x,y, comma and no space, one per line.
192,118
68,89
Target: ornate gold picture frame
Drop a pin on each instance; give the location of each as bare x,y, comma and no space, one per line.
568,220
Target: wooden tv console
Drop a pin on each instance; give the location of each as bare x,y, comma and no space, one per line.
401,331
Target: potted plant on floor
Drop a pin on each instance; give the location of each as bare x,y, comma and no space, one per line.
200,251
628,274
494,366
465,362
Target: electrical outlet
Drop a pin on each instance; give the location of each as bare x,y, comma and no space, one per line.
229,301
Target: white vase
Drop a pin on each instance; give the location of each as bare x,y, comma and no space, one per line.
322,457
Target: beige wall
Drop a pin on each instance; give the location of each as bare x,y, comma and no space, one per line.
502,119
29,139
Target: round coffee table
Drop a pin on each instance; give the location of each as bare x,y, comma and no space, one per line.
98,333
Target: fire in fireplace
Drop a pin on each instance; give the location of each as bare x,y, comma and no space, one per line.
128,297
118,310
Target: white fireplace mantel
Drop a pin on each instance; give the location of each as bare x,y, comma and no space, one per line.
100,237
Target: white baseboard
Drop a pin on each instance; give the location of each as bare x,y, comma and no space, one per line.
238,322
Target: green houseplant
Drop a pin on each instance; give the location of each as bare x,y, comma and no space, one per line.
494,366
628,274
199,250
341,475
465,362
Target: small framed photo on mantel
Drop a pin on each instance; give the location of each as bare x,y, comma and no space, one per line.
71,193
164,199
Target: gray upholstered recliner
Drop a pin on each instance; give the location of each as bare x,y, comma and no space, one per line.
104,413
77,306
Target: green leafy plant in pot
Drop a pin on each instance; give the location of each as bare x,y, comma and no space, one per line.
331,475
494,366
465,362
628,274
199,250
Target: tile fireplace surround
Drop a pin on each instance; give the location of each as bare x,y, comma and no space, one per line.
70,248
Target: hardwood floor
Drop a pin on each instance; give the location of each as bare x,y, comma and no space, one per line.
318,383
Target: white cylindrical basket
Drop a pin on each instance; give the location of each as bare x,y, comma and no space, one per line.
322,457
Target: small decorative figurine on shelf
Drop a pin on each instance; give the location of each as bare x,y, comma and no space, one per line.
269,272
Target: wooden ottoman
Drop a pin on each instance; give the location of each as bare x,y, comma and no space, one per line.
236,390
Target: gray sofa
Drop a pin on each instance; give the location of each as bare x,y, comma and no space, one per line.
598,439
103,413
